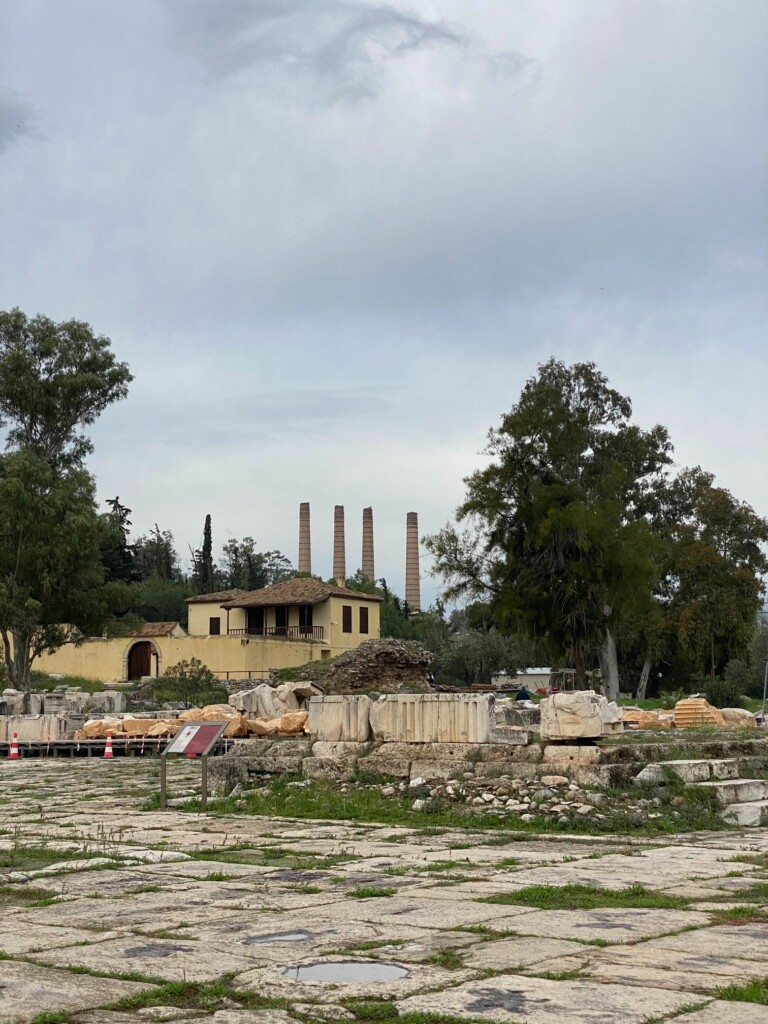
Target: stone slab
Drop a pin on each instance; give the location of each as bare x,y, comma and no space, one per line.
720,1010
433,718
610,924
518,999
170,959
27,991
273,982
340,717
520,952
746,942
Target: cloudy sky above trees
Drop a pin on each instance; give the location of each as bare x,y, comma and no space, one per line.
333,239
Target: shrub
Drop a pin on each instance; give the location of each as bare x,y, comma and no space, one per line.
190,682
722,693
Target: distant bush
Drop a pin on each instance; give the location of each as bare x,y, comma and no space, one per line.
722,693
191,683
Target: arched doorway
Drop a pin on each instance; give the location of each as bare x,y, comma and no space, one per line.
142,659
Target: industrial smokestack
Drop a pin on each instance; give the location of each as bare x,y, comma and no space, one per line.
367,562
305,542
412,583
339,559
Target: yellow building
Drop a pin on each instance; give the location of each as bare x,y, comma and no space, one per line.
237,634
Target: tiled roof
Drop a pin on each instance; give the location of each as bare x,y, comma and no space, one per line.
156,629
305,590
217,598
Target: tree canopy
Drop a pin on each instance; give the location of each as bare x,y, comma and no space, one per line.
55,379
576,531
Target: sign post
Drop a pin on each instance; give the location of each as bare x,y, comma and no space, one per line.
195,739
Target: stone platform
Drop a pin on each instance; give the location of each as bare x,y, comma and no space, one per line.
242,900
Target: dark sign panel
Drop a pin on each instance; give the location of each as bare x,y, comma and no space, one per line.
196,738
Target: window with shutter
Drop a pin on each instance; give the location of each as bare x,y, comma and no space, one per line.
346,618
363,620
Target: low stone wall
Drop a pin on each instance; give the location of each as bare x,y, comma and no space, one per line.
411,718
40,728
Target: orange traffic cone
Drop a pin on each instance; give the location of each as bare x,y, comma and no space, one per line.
108,746
13,754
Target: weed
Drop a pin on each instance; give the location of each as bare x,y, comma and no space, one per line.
446,957
755,991
587,897
740,915
367,892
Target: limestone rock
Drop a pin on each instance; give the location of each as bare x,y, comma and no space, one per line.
582,714
294,721
739,716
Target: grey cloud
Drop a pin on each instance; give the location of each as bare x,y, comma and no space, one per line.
16,117
340,48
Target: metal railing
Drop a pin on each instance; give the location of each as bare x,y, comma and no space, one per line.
291,632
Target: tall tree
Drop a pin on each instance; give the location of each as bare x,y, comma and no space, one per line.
245,568
207,556
557,537
55,380
714,585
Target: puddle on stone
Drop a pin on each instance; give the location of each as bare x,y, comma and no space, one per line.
298,936
349,971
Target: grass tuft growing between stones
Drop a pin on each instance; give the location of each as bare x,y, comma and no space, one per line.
367,892
194,995
755,991
373,1010
588,897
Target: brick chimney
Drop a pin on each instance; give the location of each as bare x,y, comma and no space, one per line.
412,582
367,562
305,542
339,559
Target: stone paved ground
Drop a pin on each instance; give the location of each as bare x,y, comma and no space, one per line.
101,902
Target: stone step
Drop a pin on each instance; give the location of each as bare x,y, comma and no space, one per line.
750,814
700,770
738,791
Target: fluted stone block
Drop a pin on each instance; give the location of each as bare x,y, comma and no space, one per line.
433,718
340,717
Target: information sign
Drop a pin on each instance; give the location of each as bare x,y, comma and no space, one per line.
195,739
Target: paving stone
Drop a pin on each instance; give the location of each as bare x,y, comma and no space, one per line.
273,982
18,939
524,1000
609,924
170,959
521,952
720,1010
745,942
27,991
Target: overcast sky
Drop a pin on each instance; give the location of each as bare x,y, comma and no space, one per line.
333,239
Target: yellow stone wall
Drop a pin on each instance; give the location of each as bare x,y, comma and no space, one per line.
234,657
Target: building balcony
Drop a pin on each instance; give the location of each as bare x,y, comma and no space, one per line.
285,632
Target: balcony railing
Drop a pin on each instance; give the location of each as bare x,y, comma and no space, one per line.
290,632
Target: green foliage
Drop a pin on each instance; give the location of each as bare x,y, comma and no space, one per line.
587,897
245,568
50,569
755,991
477,655
557,536
190,682
54,380
721,693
